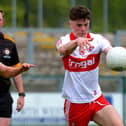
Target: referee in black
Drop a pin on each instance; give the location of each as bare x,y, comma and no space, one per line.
9,57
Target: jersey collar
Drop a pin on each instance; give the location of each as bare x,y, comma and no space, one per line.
72,37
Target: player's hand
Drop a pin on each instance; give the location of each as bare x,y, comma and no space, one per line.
84,44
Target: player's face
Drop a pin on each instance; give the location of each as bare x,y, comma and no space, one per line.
80,27
1,20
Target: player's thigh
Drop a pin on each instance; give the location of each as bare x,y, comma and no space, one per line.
4,121
108,116
77,114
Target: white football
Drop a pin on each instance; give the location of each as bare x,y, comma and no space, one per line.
116,59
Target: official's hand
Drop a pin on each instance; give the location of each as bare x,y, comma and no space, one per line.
20,103
27,66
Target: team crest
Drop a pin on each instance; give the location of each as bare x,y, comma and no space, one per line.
6,51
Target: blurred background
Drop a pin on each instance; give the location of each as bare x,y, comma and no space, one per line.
36,25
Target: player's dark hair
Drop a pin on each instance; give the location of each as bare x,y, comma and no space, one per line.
79,12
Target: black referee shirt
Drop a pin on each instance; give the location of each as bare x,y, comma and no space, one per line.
9,57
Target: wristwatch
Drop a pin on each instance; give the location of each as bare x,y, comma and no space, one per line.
21,94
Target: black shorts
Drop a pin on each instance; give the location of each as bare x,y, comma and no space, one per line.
6,102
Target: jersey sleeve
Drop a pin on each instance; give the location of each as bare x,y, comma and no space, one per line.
104,43
62,41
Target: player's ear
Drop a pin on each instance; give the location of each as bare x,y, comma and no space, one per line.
69,23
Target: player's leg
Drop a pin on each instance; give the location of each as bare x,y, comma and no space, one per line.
77,114
108,116
4,121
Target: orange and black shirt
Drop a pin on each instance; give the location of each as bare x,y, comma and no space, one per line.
9,57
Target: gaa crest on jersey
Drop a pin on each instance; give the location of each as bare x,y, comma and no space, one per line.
6,53
86,52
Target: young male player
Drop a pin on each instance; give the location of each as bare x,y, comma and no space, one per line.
80,51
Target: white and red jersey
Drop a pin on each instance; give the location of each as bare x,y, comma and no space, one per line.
81,82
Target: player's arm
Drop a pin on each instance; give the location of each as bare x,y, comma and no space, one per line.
83,43
67,48
7,71
107,49
106,43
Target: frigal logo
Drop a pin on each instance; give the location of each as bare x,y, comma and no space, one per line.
82,64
